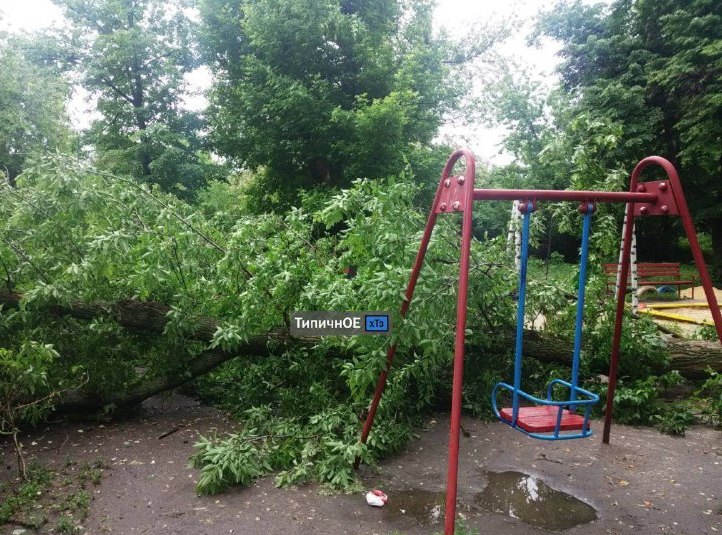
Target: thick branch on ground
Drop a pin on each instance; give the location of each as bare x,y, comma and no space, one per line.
83,402
135,316
691,357
150,318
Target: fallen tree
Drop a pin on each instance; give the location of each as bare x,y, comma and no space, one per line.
151,318
692,358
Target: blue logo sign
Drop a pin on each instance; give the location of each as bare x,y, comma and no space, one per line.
377,324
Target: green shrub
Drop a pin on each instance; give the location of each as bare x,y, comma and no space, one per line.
710,396
674,421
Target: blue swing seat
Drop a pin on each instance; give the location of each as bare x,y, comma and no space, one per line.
547,419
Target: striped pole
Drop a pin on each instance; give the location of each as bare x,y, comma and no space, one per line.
513,235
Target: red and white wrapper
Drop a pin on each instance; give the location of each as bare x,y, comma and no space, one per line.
376,498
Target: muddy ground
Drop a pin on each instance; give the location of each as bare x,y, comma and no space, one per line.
644,482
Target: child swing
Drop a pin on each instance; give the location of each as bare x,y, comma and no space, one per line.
548,419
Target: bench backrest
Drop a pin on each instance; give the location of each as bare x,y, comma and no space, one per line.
649,269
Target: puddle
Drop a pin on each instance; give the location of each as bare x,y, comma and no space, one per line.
514,494
534,502
422,507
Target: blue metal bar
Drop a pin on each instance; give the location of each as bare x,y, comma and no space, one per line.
558,425
587,415
579,321
562,382
518,347
570,436
589,398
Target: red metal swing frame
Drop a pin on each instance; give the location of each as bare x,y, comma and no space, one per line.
456,194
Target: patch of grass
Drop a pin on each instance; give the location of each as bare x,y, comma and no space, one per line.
709,396
557,271
66,525
23,497
674,421
91,472
77,502
687,271
58,498
706,332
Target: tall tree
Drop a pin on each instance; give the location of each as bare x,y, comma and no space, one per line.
133,55
32,109
652,70
322,92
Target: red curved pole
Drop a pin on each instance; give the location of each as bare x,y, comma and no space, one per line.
461,302
416,270
681,204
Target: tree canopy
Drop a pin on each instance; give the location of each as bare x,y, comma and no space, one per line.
133,56
324,92
33,119
650,74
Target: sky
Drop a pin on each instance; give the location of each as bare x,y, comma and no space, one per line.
461,16
456,16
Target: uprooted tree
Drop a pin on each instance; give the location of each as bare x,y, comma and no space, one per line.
139,292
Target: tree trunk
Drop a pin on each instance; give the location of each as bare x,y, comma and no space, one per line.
147,317
715,227
77,403
692,358
10,176
138,100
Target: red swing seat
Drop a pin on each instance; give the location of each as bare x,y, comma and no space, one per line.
543,419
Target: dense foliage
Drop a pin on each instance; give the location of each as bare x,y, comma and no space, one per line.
647,75
32,109
103,238
323,92
133,56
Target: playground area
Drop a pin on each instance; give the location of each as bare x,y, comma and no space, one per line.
345,267
551,418
685,316
459,475
641,482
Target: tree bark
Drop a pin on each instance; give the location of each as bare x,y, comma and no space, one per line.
79,402
692,358
715,227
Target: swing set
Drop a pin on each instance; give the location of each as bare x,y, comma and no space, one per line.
549,418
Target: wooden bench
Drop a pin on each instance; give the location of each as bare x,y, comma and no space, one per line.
651,274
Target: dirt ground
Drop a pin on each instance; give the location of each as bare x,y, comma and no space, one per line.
643,482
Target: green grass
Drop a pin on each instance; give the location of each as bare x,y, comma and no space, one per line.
56,498
66,525
556,271
565,274
20,499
